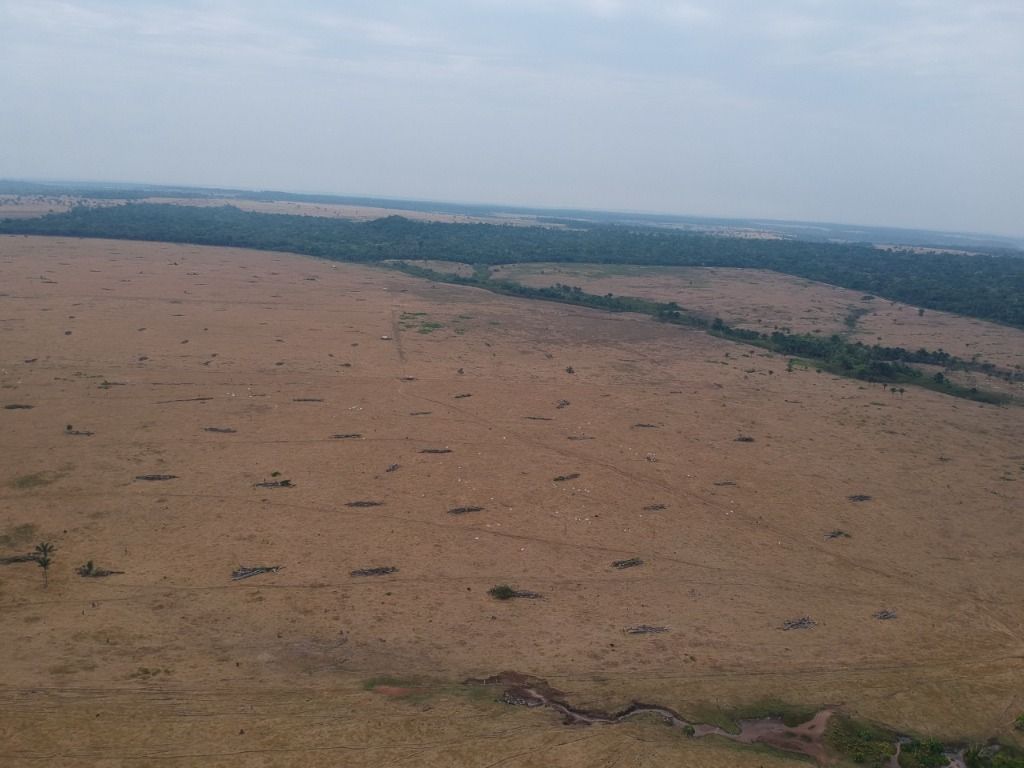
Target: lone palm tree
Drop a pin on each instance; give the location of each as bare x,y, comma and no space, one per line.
43,552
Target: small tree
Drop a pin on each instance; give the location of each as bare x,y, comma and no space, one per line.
43,552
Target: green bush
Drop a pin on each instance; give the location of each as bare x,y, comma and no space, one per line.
993,756
501,592
863,744
923,754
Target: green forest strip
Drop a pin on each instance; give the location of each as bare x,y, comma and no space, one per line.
877,364
990,287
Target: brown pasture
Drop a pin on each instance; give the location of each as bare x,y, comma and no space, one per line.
147,346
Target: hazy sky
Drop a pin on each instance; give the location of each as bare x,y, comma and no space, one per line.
902,112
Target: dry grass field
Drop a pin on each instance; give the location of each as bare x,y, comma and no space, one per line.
227,368
765,301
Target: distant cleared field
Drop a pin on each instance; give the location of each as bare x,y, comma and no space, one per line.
767,301
470,440
32,206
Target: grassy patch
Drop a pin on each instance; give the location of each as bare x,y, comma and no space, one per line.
993,756
729,720
389,681
923,754
854,315
791,714
863,744
19,535
35,480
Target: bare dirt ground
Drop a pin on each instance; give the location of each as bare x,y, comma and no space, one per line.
766,301
148,346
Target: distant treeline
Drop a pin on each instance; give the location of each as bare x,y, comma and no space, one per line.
984,286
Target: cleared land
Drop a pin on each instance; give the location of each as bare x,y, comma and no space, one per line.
151,347
765,301
31,206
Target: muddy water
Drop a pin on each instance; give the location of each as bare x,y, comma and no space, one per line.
805,739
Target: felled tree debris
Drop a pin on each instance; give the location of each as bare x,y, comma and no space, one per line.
364,504
220,430
347,436
185,400
886,614
274,484
580,437
645,426
18,407
655,507
859,497
70,430
29,557
392,467
632,562
420,413
645,629
803,622
307,399
383,570
461,396
436,450
562,404
248,571
464,510
155,478
90,571
836,533
744,439
723,483
505,592
563,478
538,418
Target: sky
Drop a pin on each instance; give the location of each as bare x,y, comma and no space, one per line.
885,112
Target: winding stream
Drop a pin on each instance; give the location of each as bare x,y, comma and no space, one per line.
807,738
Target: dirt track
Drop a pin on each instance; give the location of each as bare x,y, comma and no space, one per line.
175,658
